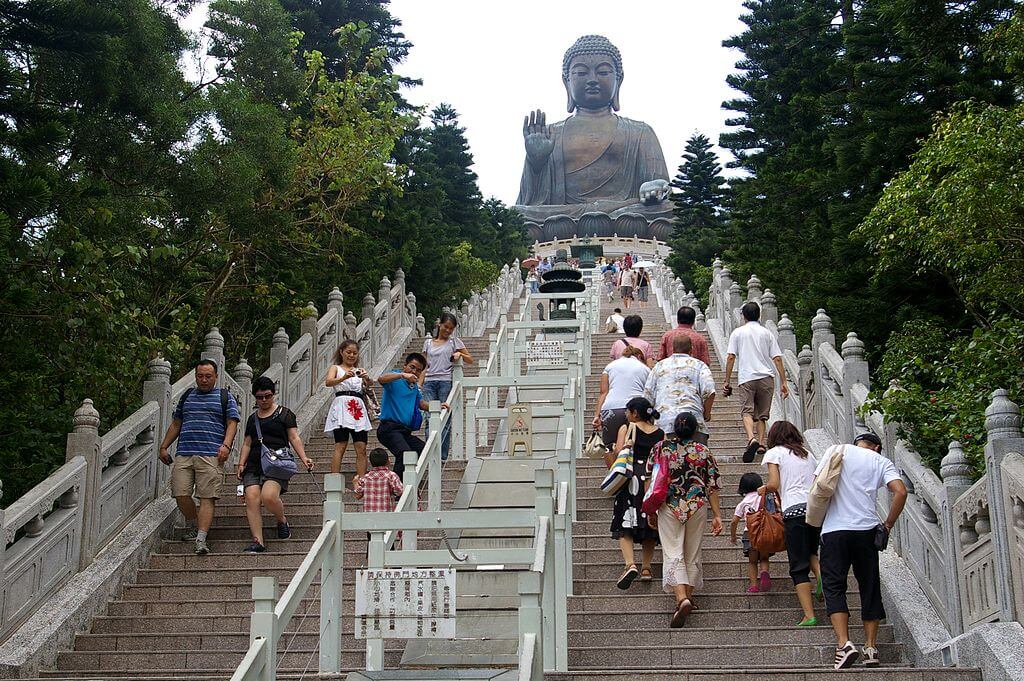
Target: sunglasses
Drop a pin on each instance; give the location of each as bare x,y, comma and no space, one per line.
264,396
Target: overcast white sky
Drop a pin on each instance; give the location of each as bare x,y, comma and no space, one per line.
495,60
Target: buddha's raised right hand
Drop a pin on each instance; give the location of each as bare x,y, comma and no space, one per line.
539,139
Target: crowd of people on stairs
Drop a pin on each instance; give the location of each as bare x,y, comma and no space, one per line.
205,423
653,413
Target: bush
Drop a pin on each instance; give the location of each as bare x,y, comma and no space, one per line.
943,384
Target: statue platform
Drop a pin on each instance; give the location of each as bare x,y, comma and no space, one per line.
597,224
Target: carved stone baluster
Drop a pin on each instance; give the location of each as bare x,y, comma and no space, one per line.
754,289
1002,422
769,307
213,348
84,440
308,326
279,355
367,351
157,388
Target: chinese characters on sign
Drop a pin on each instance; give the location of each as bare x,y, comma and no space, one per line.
545,353
405,603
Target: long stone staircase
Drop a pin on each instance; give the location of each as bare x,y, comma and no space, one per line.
187,616
617,634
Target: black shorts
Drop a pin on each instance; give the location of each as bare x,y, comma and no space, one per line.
840,551
253,478
342,435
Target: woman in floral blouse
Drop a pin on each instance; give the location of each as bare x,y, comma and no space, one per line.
681,521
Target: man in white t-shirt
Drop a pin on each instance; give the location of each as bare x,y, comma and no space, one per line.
848,540
627,279
755,349
617,319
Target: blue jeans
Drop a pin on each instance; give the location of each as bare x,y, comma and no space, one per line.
438,390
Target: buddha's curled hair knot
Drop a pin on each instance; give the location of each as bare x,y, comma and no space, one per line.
592,44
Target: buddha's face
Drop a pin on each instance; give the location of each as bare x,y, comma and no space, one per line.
592,81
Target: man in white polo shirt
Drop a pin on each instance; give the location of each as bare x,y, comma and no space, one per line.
755,350
848,540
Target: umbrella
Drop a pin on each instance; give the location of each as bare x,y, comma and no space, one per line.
529,262
645,263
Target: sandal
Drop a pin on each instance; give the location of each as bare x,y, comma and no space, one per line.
646,575
751,451
681,613
627,577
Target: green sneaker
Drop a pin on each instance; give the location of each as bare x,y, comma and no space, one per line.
809,622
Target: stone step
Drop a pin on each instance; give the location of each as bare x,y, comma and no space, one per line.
716,581
788,673
95,663
657,633
738,655
626,602
708,616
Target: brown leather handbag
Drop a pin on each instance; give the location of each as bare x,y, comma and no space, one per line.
764,526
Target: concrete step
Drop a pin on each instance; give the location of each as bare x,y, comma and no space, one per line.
786,673
659,634
96,663
625,602
708,616
738,655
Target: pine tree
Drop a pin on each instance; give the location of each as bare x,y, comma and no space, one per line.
700,222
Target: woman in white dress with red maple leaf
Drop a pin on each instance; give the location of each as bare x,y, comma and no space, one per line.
349,417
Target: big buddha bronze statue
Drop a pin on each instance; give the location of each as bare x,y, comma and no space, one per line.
595,172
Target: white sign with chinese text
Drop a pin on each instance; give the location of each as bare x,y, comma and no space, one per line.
405,603
545,353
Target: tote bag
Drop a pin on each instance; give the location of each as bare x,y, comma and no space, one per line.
657,491
823,487
764,526
276,463
622,470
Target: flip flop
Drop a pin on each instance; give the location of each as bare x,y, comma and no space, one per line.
751,451
627,577
681,613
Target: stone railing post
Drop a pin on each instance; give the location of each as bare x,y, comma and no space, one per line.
84,440
855,370
157,388
279,355
399,283
308,326
787,337
412,314
213,348
805,360
769,307
336,301
366,350
242,373
956,479
735,297
701,323
754,289
1002,422
464,313
421,326
384,293
821,331
350,323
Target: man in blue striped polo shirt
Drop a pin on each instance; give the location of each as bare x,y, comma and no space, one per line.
204,423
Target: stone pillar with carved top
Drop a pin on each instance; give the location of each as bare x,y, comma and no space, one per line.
366,350
279,355
1002,422
310,319
754,289
855,370
213,348
956,479
769,307
84,440
157,388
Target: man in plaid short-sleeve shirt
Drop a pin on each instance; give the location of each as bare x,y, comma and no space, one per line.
380,487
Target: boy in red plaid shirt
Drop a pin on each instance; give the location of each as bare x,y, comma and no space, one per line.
380,487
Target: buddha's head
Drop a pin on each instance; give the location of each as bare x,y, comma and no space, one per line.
592,74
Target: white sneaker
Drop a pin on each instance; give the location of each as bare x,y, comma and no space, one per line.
871,657
846,656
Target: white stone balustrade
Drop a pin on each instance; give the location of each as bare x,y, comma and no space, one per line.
962,540
56,529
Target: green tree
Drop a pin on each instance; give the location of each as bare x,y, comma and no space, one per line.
699,231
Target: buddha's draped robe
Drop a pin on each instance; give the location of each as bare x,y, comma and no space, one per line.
607,184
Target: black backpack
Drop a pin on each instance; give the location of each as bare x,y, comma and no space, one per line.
223,404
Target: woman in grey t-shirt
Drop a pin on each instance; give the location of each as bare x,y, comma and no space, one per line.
441,354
